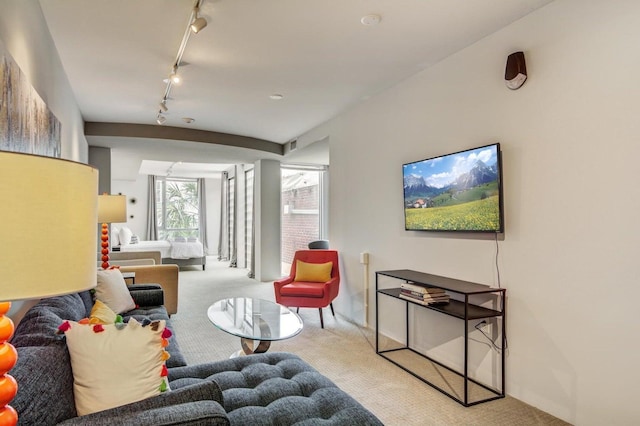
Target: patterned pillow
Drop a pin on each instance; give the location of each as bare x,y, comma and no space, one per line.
116,364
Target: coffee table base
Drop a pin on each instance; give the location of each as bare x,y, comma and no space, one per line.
248,346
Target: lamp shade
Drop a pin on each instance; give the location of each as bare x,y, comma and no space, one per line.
47,226
112,208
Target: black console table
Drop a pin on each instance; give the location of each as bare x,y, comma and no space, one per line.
425,367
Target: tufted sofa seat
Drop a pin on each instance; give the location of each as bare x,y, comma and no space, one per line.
275,389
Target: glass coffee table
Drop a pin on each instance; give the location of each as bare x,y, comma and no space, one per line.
254,320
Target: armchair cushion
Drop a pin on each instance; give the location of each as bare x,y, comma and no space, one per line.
303,289
313,272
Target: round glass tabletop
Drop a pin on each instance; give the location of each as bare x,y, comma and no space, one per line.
254,319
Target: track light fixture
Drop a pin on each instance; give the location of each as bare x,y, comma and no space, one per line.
174,76
198,23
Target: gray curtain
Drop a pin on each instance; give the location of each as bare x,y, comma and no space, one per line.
223,246
252,265
152,218
202,215
233,255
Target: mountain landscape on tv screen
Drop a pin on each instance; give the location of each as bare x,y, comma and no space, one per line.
468,201
417,186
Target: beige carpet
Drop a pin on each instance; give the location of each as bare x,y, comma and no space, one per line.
343,351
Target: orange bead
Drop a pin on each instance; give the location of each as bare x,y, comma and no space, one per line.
105,251
4,307
8,357
6,329
8,389
8,416
105,244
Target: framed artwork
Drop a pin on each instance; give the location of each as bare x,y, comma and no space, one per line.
26,123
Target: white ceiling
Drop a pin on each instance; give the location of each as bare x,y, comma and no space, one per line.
317,54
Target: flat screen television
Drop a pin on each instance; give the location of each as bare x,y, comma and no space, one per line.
458,192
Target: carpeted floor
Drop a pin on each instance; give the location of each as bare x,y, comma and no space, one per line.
342,351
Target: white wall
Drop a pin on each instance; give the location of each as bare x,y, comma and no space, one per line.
570,140
24,34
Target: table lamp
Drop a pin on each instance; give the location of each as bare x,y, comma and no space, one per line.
111,208
47,242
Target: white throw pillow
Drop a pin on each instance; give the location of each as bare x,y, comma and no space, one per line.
112,291
125,236
116,364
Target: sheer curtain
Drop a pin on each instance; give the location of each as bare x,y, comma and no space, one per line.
202,215
228,244
152,215
223,243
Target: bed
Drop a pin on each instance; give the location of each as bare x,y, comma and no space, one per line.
181,251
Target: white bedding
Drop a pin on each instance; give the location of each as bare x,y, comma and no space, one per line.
168,249
186,250
164,247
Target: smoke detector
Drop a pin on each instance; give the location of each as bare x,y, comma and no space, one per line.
372,19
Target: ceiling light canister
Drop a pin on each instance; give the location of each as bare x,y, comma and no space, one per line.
163,106
161,119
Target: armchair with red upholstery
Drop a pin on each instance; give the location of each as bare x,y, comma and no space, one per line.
309,294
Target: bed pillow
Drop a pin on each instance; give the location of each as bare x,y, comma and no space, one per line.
125,236
114,237
313,272
113,292
116,364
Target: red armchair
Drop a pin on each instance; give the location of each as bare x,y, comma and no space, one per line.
309,294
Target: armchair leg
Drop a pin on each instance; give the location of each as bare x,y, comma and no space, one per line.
321,320
332,311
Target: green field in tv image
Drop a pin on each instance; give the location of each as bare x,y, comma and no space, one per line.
457,192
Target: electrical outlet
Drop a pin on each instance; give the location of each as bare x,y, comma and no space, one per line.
485,327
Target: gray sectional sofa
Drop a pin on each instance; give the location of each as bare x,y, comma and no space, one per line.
261,389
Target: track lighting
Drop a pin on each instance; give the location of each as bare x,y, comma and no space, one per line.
198,24
175,77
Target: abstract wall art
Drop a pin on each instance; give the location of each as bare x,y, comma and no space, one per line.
26,123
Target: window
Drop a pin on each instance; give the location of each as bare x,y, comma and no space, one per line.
302,208
178,207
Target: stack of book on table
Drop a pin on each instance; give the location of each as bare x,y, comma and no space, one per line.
423,295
